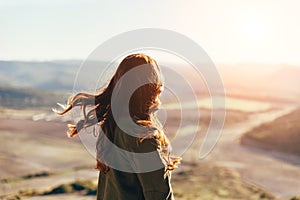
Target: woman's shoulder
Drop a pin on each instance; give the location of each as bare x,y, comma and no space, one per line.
136,144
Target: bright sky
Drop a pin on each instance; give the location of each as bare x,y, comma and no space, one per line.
231,31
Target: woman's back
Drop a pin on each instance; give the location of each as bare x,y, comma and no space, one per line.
116,184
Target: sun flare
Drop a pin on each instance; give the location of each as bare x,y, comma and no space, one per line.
253,29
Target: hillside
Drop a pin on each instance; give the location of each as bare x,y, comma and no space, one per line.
28,98
41,75
282,134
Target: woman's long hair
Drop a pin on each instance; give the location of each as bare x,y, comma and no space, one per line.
143,105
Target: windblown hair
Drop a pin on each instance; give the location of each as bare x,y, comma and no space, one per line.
143,105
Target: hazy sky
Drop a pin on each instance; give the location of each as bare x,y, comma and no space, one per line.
230,31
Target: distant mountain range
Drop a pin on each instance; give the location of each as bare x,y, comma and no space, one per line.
36,84
54,75
27,98
243,79
262,80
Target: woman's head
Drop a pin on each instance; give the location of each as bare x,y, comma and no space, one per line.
138,76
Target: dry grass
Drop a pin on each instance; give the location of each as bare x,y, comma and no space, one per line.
204,181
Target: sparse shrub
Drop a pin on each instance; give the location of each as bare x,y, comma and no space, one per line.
87,186
296,197
64,188
91,191
36,175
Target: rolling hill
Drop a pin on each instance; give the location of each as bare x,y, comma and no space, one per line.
282,134
28,98
55,75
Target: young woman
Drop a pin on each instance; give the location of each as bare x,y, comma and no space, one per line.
129,128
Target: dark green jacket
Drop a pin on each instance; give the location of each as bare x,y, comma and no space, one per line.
119,185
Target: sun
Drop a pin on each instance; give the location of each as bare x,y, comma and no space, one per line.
253,30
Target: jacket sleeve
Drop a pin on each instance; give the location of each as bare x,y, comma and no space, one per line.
155,184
